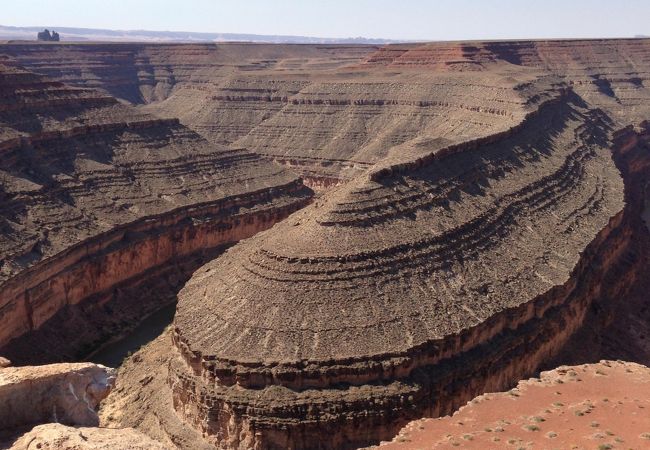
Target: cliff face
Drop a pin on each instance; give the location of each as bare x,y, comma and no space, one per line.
269,381
312,108
330,112
95,194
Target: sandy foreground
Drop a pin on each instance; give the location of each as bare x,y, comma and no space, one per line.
592,406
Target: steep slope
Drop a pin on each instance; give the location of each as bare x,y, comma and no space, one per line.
95,194
308,107
330,112
403,287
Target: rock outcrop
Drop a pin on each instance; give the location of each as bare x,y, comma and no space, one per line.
64,393
330,112
61,437
408,294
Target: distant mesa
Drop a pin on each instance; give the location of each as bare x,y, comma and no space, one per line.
45,35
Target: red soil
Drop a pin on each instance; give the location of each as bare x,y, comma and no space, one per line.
592,406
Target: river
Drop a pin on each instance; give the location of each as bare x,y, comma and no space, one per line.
114,353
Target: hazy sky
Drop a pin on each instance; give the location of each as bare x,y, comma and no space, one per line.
394,19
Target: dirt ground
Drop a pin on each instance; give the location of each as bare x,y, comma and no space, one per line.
595,406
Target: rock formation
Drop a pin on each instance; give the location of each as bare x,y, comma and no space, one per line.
65,393
97,196
395,282
45,35
482,202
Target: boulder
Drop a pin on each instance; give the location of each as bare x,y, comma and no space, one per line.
65,393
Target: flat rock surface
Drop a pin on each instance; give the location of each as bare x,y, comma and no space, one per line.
60,437
592,406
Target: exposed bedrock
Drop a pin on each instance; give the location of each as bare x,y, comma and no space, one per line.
60,437
64,393
523,234
98,270
618,328
95,197
321,105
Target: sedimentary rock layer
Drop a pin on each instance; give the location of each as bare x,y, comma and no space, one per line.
409,292
479,205
94,194
331,111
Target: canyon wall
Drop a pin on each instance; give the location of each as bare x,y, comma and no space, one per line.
268,381
98,266
95,194
476,207
333,111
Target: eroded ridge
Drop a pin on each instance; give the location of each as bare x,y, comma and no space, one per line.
331,112
94,193
404,295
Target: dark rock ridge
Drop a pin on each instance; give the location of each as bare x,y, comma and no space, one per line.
95,194
45,35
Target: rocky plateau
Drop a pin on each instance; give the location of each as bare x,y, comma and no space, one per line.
356,236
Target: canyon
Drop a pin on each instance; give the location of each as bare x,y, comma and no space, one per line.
356,236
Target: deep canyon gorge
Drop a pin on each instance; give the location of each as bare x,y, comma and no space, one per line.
354,236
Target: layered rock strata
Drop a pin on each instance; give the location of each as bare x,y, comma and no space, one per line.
330,112
487,212
410,290
94,194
